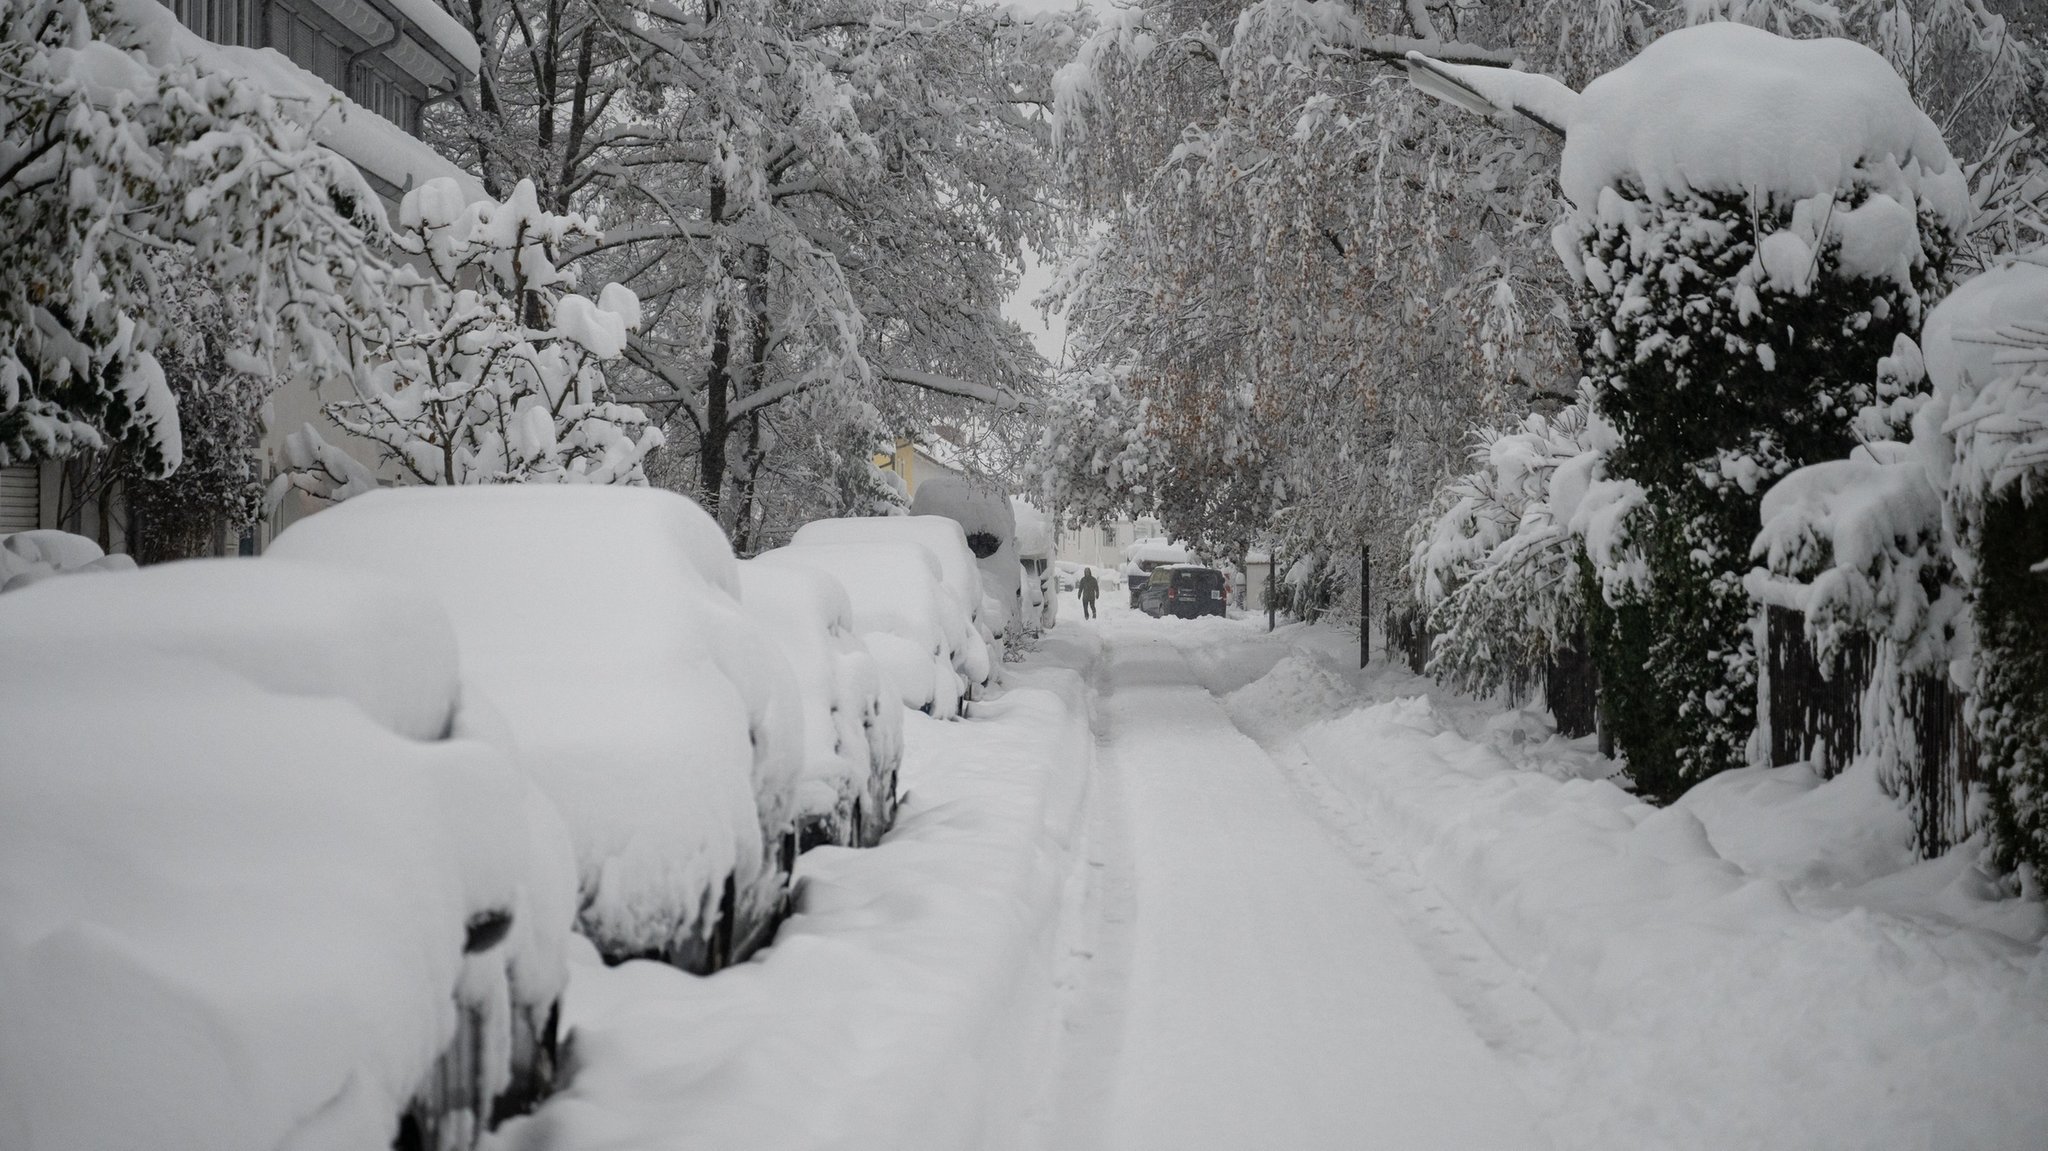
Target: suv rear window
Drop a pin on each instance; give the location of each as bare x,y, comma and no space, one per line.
1198,579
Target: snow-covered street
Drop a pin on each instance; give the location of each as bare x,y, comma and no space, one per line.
1239,980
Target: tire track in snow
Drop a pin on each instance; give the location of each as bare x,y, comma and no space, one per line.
1505,1011
1095,949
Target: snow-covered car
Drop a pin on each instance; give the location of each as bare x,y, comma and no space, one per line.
988,524
602,645
853,718
955,569
1034,556
256,889
915,629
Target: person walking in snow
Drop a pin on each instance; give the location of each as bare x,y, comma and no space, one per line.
1090,588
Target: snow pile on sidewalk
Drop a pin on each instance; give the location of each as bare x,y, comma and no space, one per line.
1752,967
909,1003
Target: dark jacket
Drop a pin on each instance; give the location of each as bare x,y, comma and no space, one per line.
1089,586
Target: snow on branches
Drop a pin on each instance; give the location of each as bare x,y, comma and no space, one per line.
489,367
1502,561
116,162
1935,545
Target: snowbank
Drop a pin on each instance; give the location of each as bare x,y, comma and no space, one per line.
33,556
1034,530
907,1005
236,917
853,722
632,690
1760,965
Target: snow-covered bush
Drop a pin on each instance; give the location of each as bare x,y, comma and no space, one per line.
216,493
1933,545
252,894
952,565
30,557
914,627
127,162
853,720
1753,221
488,369
983,512
1500,565
602,646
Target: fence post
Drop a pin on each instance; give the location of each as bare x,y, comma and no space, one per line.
1364,604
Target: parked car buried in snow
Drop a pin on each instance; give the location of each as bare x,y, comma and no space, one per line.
603,647
853,714
917,632
257,887
954,568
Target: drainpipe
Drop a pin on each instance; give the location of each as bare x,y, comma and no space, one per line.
349,72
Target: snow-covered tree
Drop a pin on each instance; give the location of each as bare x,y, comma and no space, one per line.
1331,282
487,367
117,161
806,200
1316,284
1497,565
216,493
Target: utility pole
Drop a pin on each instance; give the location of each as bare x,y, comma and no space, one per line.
1364,603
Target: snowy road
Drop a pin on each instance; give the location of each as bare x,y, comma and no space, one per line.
1237,980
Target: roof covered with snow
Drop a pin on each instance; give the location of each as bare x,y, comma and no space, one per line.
376,146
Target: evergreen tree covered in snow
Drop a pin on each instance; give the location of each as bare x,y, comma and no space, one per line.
1933,544
1750,242
1739,292
118,161
217,491
488,368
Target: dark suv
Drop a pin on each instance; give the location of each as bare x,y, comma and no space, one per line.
1185,590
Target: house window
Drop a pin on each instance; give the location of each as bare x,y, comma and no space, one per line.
308,46
21,498
221,21
381,94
